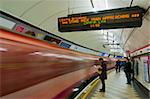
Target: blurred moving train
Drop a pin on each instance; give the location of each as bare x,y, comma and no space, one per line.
26,61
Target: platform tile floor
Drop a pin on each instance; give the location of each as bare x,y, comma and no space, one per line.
116,88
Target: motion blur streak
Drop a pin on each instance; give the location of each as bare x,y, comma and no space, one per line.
27,61
57,55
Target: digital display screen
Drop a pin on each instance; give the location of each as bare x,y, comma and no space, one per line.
109,19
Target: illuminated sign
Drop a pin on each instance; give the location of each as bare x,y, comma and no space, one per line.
109,19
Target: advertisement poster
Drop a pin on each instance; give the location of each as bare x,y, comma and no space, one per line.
146,75
136,68
146,69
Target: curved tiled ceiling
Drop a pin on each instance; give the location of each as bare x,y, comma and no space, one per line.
44,14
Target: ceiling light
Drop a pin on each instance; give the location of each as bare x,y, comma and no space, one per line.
124,54
104,33
110,38
117,50
105,37
110,41
113,50
115,46
110,34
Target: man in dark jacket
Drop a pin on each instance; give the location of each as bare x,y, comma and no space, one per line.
127,71
117,66
103,75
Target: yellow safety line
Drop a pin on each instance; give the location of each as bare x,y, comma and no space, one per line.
90,89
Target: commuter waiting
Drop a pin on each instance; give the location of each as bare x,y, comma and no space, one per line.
117,66
127,70
102,73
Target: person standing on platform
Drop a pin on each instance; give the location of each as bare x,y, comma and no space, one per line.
127,71
117,66
132,68
102,73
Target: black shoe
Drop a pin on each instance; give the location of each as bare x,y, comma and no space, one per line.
128,83
101,90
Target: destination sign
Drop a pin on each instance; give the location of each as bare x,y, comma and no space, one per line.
110,19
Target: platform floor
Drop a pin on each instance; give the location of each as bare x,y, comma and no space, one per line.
116,88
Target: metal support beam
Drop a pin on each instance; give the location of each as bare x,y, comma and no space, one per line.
92,3
131,3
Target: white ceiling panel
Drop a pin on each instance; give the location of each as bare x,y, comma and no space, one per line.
17,7
142,3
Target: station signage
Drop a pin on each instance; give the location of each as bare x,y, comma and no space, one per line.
65,45
109,19
52,39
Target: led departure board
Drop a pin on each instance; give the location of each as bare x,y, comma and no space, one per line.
110,19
